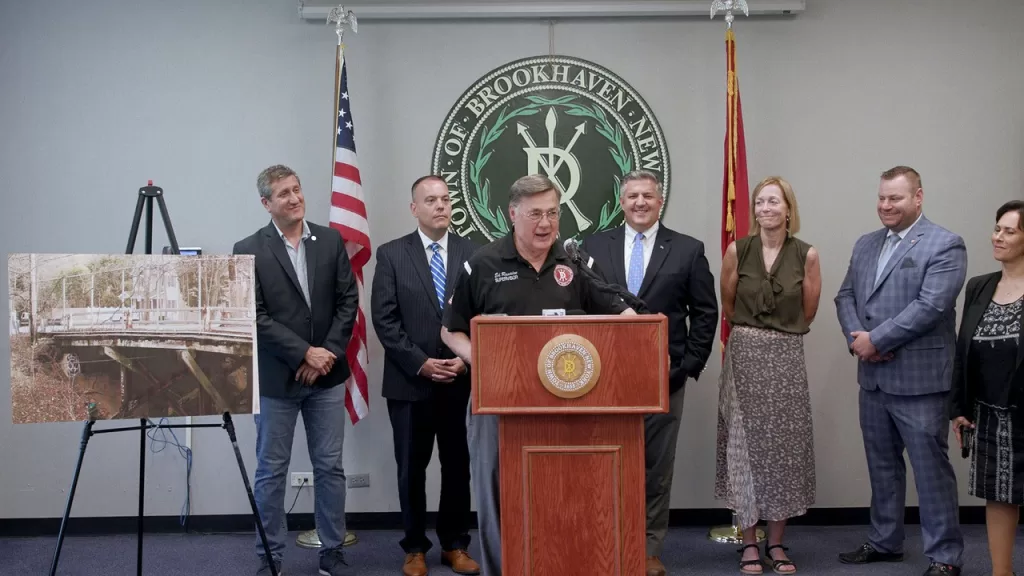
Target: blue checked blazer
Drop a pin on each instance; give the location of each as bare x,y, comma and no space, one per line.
912,310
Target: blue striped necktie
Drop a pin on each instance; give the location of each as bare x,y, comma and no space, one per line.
635,276
437,271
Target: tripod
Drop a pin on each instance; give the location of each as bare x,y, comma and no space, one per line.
146,195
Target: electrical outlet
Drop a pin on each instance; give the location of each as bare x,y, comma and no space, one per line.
358,480
302,478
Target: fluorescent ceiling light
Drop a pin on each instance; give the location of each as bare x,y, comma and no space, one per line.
416,10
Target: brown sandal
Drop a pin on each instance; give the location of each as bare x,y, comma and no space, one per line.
776,564
746,566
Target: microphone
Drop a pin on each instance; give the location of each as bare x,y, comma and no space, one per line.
572,249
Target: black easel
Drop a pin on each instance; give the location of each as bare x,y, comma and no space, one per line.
146,195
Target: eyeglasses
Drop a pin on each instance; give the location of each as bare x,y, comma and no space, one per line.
535,215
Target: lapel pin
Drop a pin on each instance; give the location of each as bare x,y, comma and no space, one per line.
313,238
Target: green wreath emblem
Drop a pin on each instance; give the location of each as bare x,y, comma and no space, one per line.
609,211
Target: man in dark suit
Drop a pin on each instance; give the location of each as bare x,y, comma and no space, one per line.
306,300
426,385
669,272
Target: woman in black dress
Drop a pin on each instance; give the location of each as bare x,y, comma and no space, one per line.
988,381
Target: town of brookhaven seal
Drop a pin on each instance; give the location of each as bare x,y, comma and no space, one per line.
569,366
569,119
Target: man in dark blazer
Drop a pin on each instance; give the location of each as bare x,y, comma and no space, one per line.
426,385
306,300
669,272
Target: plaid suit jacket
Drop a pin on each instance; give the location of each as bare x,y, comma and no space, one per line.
911,312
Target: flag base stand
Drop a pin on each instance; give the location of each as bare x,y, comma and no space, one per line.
732,534
311,539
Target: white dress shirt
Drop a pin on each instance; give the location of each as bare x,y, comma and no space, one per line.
298,257
443,242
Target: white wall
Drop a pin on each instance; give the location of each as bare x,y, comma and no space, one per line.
98,97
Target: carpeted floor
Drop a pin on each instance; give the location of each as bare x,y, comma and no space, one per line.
687,552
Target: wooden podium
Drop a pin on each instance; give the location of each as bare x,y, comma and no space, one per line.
571,393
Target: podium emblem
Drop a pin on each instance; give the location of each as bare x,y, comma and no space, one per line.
569,366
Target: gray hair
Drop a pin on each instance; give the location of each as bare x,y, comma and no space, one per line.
638,175
530,186
271,175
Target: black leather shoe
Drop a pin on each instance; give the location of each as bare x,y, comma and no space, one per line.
937,569
867,554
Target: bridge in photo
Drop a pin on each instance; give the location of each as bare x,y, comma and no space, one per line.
206,344
217,330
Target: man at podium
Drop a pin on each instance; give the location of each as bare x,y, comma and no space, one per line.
526,273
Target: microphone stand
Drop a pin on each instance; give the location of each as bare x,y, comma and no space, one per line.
635,303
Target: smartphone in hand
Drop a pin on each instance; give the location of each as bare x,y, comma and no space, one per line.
967,440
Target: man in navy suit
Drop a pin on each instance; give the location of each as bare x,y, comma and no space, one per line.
426,385
669,272
896,307
306,300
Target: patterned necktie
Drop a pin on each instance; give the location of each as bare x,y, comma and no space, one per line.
890,246
636,265
437,271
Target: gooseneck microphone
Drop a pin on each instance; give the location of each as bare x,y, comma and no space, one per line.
572,249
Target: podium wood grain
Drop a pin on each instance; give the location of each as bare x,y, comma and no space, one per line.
572,495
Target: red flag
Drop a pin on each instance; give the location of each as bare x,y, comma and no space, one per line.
735,190
348,216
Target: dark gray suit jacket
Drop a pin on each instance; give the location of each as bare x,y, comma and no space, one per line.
677,283
285,326
407,316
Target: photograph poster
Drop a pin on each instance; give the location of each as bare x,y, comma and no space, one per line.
107,337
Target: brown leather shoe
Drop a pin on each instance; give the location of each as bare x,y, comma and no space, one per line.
655,567
460,562
415,565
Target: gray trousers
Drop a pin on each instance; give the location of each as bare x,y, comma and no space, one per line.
660,434
482,436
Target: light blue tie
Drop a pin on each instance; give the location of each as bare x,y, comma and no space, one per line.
636,265
437,271
890,246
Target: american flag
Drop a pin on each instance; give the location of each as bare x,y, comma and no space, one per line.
348,216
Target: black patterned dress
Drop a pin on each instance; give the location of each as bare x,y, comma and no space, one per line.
997,455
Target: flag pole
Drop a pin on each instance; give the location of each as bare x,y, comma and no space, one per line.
340,17
734,173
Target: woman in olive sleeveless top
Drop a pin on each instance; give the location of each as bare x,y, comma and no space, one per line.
770,287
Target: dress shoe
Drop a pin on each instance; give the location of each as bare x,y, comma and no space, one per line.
460,562
867,554
937,569
655,567
415,565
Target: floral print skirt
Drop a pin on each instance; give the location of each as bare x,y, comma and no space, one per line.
765,450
